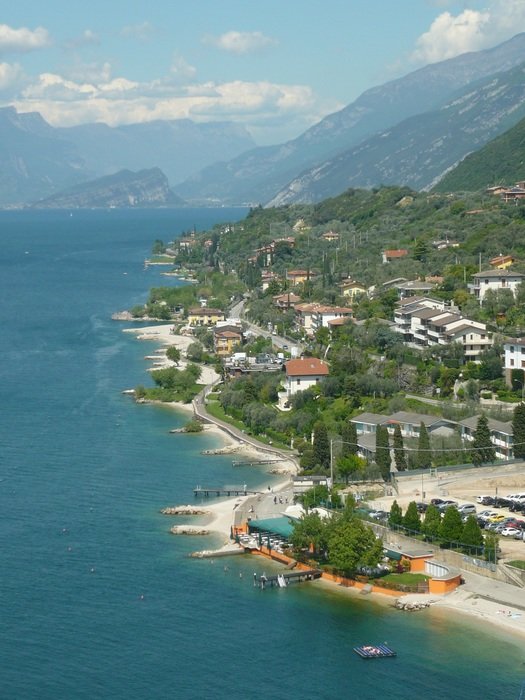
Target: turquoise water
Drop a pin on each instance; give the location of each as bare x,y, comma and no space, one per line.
97,600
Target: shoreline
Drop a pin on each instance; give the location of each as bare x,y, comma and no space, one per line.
219,516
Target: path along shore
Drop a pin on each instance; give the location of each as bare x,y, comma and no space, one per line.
486,600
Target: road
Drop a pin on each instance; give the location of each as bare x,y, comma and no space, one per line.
281,342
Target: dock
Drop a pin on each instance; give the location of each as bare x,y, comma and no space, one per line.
378,651
207,491
253,462
286,577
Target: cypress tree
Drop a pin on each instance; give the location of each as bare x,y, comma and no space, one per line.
321,445
483,449
432,522
411,519
472,536
395,517
349,439
451,528
399,451
382,454
518,430
424,455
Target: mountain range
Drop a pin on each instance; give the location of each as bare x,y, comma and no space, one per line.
410,131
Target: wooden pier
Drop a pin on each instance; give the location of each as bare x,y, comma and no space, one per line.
378,651
286,577
207,491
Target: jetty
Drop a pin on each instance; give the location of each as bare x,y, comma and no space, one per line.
286,577
378,651
207,491
253,462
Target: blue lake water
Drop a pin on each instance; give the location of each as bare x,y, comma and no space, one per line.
97,599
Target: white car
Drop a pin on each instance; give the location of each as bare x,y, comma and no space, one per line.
510,531
479,499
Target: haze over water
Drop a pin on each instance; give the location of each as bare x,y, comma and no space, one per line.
97,599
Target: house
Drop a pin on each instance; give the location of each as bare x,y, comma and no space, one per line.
202,316
389,255
323,315
303,373
298,276
494,280
288,300
268,276
225,340
303,317
330,236
412,288
410,424
502,262
514,358
366,423
514,194
351,289
501,435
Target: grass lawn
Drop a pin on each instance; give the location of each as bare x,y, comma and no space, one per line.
405,579
518,563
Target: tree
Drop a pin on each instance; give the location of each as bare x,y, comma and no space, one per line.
518,430
349,439
482,448
352,544
382,453
424,454
309,533
350,465
432,523
321,445
411,519
399,451
451,528
173,354
395,517
490,551
472,536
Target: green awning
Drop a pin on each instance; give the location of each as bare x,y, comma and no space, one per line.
277,526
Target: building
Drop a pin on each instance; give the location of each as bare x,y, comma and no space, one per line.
502,262
288,300
322,316
296,277
389,255
225,340
501,435
494,280
514,358
351,289
304,373
202,316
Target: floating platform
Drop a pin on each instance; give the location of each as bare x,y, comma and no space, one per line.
378,651
207,491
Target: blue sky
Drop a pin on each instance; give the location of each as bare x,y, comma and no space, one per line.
275,66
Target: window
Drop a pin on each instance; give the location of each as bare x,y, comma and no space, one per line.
512,363
523,363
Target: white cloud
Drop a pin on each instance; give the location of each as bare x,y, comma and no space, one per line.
141,32
181,71
240,42
471,30
23,39
10,76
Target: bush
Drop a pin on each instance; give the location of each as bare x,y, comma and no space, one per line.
193,426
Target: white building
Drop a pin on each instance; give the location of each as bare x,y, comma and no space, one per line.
303,373
494,280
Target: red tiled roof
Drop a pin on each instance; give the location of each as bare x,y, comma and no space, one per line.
306,367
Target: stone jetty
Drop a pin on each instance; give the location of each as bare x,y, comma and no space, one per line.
184,510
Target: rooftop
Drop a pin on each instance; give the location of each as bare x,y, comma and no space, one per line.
306,367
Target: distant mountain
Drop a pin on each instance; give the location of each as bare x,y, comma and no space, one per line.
500,162
38,160
259,174
33,160
418,151
179,147
125,189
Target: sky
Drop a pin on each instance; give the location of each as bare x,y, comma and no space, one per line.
275,67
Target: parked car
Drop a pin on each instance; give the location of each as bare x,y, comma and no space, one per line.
485,500
447,504
510,531
486,514
501,502
496,518
467,509
421,507
437,501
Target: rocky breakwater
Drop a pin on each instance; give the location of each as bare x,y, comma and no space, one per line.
412,605
184,510
189,530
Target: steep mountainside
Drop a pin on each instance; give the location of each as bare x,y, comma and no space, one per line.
125,189
256,176
418,151
500,162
